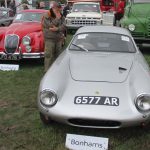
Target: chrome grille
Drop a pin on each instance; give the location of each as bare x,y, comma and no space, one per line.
11,43
84,22
108,18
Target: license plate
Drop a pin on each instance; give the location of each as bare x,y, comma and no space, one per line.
97,100
10,57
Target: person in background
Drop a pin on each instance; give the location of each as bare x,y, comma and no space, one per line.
120,11
42,5
12,6
66,10
53,25
37,5
25,6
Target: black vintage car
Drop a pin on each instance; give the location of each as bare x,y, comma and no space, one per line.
6,16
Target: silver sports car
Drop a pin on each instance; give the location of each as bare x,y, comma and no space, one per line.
100,81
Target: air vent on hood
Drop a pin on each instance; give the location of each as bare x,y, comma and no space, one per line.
121,69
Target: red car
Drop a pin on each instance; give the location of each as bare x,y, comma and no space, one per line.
24,37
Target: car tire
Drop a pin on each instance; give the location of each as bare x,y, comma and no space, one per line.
45,120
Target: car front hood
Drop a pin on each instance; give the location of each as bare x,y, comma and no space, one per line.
100,67
141,10
24,28
84,14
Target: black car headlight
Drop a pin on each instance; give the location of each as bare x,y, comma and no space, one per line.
26,40
143,103
48,98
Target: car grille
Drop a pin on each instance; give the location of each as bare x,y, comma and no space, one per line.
108,19
95,123
11,43
148,27
138,34
84,22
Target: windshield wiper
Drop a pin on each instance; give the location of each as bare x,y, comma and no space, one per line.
82,48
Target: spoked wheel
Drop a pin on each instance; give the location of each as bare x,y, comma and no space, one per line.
45,119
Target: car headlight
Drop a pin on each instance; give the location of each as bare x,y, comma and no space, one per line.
48,98
68,21
143,103
26,40
131,27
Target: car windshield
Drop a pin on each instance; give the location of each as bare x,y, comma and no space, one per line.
86,8
3,13
141,1
28,16
106,42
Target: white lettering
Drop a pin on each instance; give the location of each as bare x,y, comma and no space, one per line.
91,100
98,99
114,101
107,101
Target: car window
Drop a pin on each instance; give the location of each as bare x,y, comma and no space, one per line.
107,42
141,1
86,8
3,13
28,16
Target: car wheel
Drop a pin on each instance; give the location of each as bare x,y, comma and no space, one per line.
45,119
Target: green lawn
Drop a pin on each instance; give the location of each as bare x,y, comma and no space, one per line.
21,128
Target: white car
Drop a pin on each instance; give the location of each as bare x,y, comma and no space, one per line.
84,14
100,81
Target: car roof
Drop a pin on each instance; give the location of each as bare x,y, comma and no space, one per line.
87,2
102,29
34,10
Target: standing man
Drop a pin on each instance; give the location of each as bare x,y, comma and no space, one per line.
120,11
53,24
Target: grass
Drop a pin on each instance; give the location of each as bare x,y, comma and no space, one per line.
21,128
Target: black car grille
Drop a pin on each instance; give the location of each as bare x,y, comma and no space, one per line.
11,43
94,123
138,34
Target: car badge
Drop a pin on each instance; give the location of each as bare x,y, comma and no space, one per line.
97,92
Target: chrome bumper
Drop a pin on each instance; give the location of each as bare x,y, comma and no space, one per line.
18,56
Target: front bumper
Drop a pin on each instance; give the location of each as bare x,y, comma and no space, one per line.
142,41
94,118
33,55
18,56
